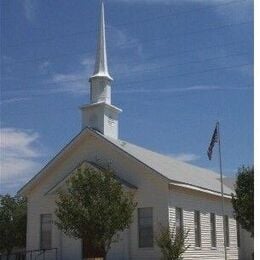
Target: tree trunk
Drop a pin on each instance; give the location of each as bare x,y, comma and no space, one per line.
91,252
95,258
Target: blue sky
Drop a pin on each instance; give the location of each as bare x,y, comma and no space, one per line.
178,66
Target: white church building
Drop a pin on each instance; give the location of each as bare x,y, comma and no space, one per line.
168,191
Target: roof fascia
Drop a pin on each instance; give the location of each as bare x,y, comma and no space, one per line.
25,189
186,185
203,190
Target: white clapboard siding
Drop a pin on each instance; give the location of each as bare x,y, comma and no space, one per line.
190,202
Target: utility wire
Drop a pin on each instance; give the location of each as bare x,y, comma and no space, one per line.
30,95
150,79
131,72
178,13
186,74
184,63
150,40
214,28
86,32
169,54
172,12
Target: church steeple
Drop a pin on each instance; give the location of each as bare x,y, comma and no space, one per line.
101,68
100,114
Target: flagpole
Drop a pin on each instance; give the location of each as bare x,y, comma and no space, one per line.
222,192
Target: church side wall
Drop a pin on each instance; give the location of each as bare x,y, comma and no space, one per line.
192,200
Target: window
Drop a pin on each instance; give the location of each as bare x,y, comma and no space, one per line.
197,228
45,232
145,227
226,230
213,229
238,235
179,220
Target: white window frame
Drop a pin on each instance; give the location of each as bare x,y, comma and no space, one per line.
142,227
238,234
213,230
226,231
197,229
179,218
42,216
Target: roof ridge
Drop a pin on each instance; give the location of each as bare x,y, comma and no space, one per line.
163,155
165,166
172,169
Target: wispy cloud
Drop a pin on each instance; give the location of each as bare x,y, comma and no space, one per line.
44,66
29,9
8,64
239,11
131,70
180,89
13,100
122,40
7,59
70,83
185,157
19,151
75,82
88,63
170,1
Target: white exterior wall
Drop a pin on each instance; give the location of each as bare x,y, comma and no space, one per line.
111,123
37,205
152,192
92,116
193,200
100,90
101,117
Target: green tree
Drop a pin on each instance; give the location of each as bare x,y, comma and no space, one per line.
171,243
243,199
94,208
12,223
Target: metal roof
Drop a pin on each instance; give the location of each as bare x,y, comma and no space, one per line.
175,171
172,169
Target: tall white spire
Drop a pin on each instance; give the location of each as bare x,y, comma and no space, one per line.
100,114
101,68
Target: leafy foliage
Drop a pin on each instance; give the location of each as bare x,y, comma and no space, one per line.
94,208
243,199
172,243
12,223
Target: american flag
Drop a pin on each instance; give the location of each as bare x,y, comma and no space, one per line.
214,140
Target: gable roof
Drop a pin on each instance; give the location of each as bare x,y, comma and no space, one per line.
174,171
54,160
